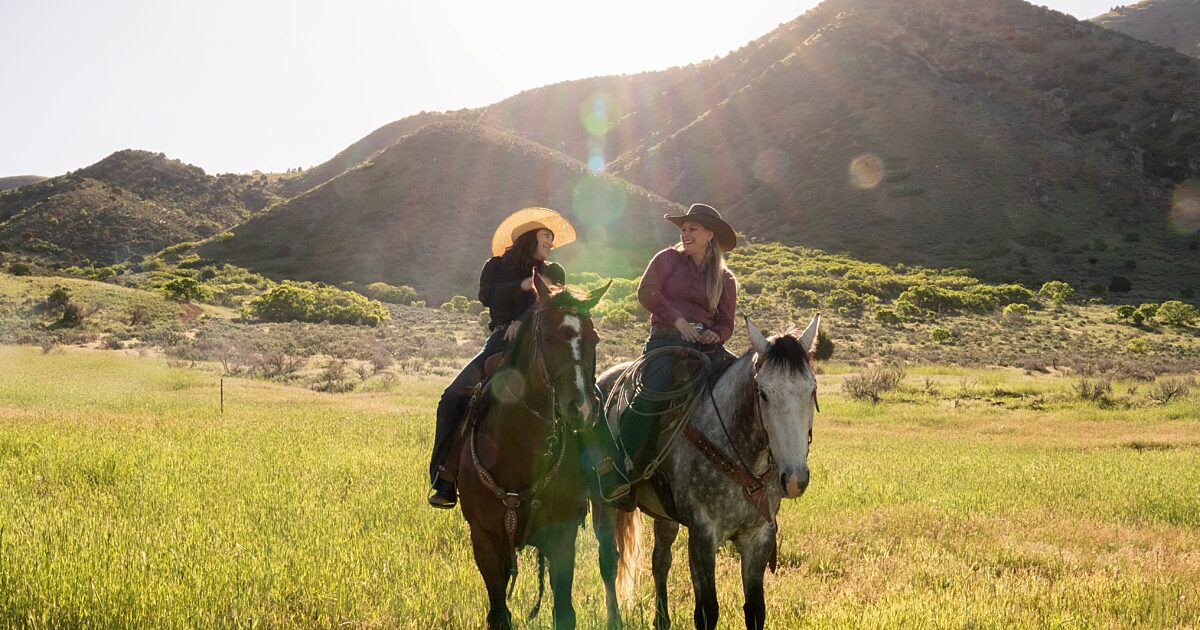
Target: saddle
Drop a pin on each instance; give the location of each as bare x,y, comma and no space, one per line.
655,495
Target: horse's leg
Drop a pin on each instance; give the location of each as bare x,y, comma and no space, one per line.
560,557
493,559
755,548
665,533
702,556
604,522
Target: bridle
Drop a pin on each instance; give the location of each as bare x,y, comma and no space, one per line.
555,441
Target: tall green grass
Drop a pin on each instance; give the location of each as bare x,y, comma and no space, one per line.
128,499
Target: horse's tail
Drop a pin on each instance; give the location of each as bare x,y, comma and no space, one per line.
629,551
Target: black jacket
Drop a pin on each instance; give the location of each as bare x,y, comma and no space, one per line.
500,289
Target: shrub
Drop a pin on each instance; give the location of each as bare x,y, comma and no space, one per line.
185,290
1120,284
1145,313
824,349
1015,312
1057,291
1176,313
292,301
20,269
1138,345
1166,390
889,317
456,304
1099,392
873,383
59,298
939,335
72,316
385,292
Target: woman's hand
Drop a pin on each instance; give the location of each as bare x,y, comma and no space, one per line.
686,331
511,332
527,284
709,337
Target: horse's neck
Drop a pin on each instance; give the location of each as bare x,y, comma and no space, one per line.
734,395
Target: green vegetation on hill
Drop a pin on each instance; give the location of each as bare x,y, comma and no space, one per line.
421,213
131,203
17,181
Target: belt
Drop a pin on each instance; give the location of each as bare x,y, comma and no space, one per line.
671,329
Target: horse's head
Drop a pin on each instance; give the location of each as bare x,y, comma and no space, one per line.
567,341
787,397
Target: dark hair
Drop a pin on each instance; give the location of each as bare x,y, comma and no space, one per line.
520,255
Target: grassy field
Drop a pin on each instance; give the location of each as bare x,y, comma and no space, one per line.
970,498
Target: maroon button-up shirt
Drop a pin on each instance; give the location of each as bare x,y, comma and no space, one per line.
673,287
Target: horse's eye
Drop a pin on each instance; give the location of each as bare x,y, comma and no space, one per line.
763,395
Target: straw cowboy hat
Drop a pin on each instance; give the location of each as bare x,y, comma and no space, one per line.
523,221
711,219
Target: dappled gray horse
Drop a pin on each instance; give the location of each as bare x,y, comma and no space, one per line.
746,449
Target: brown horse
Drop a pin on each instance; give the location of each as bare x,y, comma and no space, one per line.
520,476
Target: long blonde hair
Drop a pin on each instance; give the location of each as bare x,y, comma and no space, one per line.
712,269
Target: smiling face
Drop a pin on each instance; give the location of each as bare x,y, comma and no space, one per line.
694,237
545,243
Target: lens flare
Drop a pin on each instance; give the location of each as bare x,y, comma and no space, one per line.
866,171
598,202
772,166
508,385
1184,217
594,114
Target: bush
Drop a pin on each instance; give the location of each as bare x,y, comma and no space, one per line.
1125,312
1015,312
1165,391
306,302
456,304
185,290
873,383
59,298
1176,313
824,349
889,317
1057,291
1099,392
20,269
385,292
1138,345
939,335
1145,313
1120,284
72,316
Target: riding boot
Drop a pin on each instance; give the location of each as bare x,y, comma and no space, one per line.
451,408
609,463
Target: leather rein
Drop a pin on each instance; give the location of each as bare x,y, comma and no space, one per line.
555,449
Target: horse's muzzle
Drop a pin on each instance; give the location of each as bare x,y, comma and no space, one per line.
794,482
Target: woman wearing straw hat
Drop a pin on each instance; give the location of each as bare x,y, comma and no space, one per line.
691,297
519,247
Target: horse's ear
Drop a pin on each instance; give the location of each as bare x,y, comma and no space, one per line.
808,339
593,298
757,340
539,287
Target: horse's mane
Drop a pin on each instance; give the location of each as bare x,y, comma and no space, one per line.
786,352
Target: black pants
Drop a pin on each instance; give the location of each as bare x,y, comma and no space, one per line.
453,404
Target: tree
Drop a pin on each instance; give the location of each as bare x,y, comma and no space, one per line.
1176,313
1120,284
185,290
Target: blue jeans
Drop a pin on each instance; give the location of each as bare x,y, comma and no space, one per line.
640,421
453,404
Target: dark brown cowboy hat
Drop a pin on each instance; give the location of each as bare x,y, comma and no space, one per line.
711,219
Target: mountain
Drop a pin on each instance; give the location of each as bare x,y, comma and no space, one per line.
990,134
132,202
350,156
1171,23
422,211
17,181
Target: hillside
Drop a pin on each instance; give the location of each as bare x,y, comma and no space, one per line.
130,203
350,156
1171,23
422,212
973,134
17,181
988,134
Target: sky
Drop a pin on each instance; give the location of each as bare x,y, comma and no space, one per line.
240,85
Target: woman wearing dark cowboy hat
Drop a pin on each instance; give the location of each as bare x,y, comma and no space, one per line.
691,297
519,246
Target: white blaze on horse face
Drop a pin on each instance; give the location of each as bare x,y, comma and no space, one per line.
788,418
572,323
